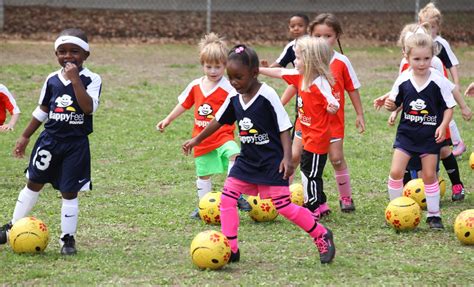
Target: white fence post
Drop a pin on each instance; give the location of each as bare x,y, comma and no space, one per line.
1,16
208,18
417,9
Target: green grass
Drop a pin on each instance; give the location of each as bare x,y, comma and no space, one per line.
134,226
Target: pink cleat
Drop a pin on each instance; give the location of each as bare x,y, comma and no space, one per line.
459,148
458,192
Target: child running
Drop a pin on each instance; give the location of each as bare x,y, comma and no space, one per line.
427,101
8,103
61,155
217,153
264,164
312,76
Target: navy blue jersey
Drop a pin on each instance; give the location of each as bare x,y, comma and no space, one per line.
446,54
66,120
423,110
288,55
260,122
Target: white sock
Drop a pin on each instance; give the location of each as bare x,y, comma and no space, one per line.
26,200
203,187
395,188
231,164
455,135
69,214
432,199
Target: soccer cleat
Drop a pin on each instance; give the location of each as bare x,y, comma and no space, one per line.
68,245
458,192
243,204
322,211
326,247
347,204
459,148
435,222
234,257
4,232
195,214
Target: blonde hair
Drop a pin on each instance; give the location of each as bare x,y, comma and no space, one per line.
412,29
418,40
315,55
213,49
430,12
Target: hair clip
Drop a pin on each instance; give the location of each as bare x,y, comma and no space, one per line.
239,50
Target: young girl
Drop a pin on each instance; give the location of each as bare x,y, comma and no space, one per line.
264,163
61,155
427,102
312,77
328,27
8,103
217,153
432,15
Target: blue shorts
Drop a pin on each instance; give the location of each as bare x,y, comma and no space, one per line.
66,165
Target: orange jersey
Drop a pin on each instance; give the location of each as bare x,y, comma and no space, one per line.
345,79
312,114
205,107
7,103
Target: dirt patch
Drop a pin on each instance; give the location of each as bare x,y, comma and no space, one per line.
41,23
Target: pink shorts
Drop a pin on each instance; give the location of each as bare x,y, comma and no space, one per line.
265,191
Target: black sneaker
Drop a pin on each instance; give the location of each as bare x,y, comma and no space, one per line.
234,257
4,232
195,214
435,222
243,204
68,245
347,204
326,247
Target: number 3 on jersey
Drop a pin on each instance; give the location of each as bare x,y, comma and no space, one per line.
42,159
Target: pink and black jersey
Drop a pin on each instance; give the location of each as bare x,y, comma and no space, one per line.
205,107
66,120
7,103
260,121
345,80
423,110
446,54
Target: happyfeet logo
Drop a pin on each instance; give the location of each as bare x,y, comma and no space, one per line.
419,113
248,134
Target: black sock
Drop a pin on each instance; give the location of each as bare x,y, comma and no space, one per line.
452,169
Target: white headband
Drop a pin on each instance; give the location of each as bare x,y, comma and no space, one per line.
418,30
71,40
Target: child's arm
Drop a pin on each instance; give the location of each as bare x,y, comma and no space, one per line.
356,102
286,165
271,72
176,112
39,116
289,93
454,73
393,116
11,124
213,126
380,101
465,110
470,90
83,98
440,134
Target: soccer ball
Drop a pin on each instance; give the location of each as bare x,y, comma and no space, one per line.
442,186
209,207
28,235
464,227
262,209
210,249
415,189
297,197
471,160
403,213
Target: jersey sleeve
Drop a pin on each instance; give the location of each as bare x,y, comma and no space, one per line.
93,90
446,87
287,55
284,122
325,89
446,54
45,94
186,98
8,100
226,113
291,76
395,91
351,82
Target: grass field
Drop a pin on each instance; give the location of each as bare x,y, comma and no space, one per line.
134,226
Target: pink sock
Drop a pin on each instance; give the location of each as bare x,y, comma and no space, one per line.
298,215
395,188
230,216
343,181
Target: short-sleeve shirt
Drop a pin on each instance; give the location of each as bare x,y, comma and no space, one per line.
260,122
446,54
66,120
435,63
288,55
206,104
345,80
312,114
7,103
423,110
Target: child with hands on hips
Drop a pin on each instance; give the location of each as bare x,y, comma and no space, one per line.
264,163
217,153
8,103
312,76
61,155
427,101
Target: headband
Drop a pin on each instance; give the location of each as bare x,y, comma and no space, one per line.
418,30
71,40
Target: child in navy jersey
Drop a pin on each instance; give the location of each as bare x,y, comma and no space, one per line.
264,163
61,154
427,101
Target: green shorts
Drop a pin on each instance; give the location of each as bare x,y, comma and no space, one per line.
217,160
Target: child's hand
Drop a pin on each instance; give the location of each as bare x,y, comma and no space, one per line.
392,118
360,123
332,108
264,63
440,134
466,113
5,128
162,125
20,146
188,146
379,102
470,90
71,71
287,168
390,105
